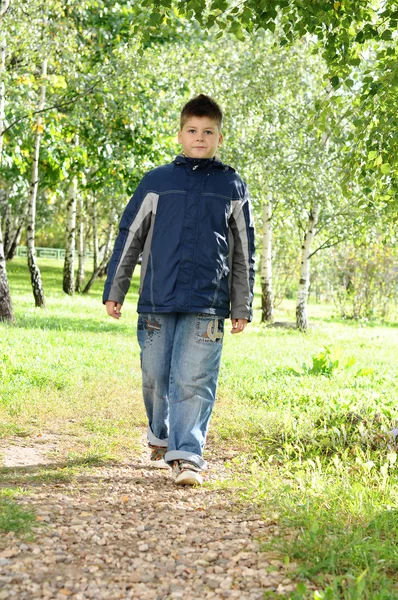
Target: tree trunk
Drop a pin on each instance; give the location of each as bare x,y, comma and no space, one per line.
107,253
80,244
6,313
35,275
267,299
95,234
69,263
304,283
3,50
4,4
8,230
15,239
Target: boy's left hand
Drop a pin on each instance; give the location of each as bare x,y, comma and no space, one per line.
238,325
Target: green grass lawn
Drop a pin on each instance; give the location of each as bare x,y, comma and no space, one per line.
312,433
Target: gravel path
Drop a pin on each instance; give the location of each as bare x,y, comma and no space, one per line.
126,531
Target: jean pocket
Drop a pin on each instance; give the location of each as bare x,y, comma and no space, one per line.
209,329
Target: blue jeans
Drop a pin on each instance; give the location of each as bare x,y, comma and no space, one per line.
180,361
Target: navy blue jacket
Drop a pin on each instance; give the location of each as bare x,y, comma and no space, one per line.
192,220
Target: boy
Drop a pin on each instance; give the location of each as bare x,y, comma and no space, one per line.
192,220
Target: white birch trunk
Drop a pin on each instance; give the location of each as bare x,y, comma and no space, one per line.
107,252
3,50
69,263
6,312
304,283
267,300
81,250
4,4
95,234
35,275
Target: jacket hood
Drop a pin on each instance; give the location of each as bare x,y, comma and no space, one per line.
202,162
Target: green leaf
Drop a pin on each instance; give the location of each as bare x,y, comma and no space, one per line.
386,35
335,81
271,26
364,372
385,168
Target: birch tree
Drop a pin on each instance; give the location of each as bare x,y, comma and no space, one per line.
14,239
6,312
81,243
35,275
69,269
304,281
107,252
94,224
267,301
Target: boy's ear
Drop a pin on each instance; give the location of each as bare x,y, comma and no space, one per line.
179,137
220,139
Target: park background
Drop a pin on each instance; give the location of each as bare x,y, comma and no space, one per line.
90,95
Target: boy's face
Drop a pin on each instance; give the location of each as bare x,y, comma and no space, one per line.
200,137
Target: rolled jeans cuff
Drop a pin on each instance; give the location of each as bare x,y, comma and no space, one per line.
189,456
152,439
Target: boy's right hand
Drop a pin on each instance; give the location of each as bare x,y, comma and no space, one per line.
113,309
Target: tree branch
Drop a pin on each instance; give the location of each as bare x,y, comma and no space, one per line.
327,244
57,106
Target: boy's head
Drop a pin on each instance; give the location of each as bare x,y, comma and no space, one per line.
200,127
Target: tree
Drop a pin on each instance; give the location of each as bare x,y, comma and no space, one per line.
69,272
35,275
6,312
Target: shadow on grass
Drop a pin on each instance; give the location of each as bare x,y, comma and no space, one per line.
357,323
57,323
64,472
51,472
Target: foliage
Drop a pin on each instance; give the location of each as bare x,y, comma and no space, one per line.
327,362
365,279
358,43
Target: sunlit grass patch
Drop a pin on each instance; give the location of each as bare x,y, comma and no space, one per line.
12,516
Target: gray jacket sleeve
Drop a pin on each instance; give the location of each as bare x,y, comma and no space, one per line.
242,277
133,229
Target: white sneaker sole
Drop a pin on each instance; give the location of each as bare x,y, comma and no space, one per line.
159,464
189,478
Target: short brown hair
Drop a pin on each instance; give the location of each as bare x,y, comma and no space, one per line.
201,106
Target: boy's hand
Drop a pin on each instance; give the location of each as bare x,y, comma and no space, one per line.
113,309
238,325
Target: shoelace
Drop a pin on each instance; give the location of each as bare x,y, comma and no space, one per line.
187,466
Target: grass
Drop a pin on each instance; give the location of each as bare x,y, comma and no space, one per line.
309,414
12,516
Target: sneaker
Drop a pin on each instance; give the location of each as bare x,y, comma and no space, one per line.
186,473
157,457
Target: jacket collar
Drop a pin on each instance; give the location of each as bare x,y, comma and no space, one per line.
201,162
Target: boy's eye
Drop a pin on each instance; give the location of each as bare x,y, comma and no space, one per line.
209,132
191,130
